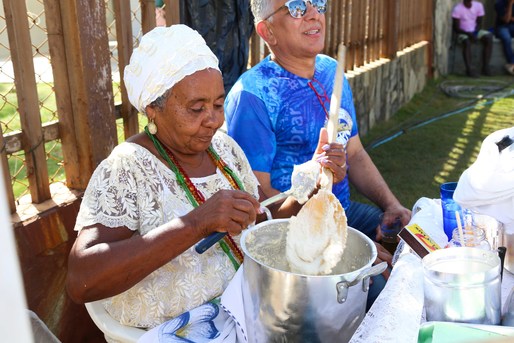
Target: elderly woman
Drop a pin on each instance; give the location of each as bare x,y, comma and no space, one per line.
164,190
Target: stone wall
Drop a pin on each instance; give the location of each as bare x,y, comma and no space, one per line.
381,88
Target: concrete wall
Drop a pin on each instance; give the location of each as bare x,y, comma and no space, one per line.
381,88
442,36
497,64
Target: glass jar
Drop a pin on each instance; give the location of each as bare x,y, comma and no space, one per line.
471,237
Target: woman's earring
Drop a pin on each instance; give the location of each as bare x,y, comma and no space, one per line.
152,128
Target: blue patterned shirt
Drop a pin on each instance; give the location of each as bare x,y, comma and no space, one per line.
276,117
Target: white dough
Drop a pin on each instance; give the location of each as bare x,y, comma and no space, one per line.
316,237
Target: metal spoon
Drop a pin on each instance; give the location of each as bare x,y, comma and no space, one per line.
303,183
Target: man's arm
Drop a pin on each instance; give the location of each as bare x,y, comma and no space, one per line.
366,178
265,181
479,23
456,26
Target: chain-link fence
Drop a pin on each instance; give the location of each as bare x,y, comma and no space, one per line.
42,63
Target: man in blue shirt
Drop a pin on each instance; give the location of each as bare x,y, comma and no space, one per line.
276,109
505,30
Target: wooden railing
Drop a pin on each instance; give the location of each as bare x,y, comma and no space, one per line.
79,48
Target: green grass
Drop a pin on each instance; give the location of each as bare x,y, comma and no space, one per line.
445,143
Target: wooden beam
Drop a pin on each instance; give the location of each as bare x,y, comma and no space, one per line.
28,103
429,32
392,12
13,141
62,93
359,27
89,65
351,38
147,15
255,49
172,9
124,38
7,176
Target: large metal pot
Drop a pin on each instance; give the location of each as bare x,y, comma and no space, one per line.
281,306
463,285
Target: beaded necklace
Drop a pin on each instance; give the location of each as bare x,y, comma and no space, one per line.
193,194
321,94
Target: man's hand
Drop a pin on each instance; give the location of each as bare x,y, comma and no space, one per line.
331,156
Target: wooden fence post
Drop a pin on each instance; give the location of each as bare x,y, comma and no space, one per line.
4,164
392,17
124,38
172,12
147,15
88,58
28,103
62,92
429,31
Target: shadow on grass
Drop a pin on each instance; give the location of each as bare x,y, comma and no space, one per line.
417,160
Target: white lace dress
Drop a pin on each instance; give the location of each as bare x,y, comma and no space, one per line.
133,188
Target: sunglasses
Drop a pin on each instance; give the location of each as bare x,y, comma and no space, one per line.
298,8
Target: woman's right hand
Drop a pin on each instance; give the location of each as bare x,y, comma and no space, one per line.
229,211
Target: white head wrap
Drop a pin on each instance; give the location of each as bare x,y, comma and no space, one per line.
165,56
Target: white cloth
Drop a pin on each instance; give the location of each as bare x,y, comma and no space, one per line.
165,56
487,186
396,314
232,303
133,188
217,322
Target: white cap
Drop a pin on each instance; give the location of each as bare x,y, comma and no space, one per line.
165,56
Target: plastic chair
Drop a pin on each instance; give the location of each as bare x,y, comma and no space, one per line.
112,329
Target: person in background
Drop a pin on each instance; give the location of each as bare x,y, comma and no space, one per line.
505,30
226,26
467,24
276,109
164,190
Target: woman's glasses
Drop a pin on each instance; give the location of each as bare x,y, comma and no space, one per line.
298,8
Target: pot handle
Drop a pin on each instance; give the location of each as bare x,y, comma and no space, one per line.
343,286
